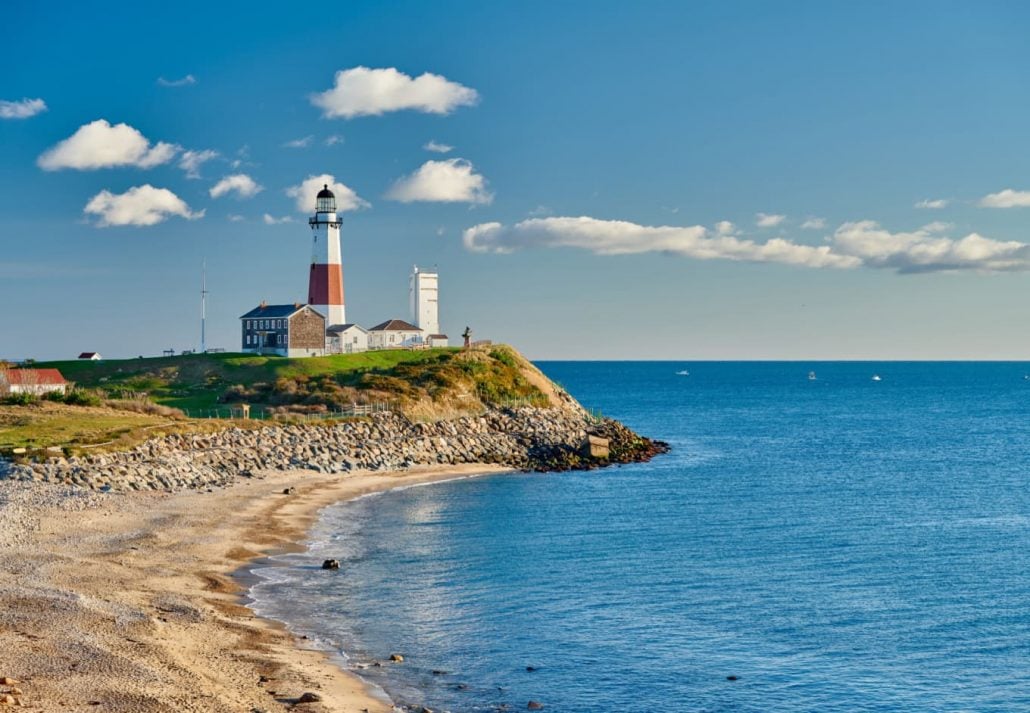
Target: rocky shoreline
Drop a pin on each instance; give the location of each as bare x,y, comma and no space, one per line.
524,438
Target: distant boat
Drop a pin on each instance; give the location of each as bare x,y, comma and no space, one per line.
684,372
811,376
876,377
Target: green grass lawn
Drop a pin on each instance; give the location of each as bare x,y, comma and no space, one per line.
194,382
48,424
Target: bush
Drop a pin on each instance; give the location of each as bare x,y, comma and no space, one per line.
20,399
81,397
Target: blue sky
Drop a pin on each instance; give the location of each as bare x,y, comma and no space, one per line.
728,180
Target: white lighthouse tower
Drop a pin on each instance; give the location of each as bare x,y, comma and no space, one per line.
424,299
325,285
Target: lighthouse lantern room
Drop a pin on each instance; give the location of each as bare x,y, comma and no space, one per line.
325,284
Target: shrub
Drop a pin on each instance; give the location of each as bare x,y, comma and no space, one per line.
81,397
20,399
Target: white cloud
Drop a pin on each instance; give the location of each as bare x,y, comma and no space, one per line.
141,205
183,82
243,185
346,198
361,91
191,161
725,227
856,244
925,250
813,223
617,237
437,147
1007,198
272,220
453,180
234,218
932,203
21,109
333,140
101,145
768,220
302,143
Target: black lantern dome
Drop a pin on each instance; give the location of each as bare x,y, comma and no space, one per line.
325,201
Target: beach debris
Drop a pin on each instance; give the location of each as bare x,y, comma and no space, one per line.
396,658
309,697
535,706
263,679
288,491
733,678
331,564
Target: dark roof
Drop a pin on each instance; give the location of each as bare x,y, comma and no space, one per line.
325,192
438,336
344,327
33,377
88,355
272,311
395,325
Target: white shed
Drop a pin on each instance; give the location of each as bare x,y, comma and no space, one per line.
395,334
346,339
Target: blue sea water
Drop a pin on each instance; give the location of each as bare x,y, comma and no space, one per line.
838,544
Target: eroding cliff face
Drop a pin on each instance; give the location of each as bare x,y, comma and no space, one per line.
525,438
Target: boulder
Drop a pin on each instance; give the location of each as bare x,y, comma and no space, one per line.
535,706
396,658
309,697
331,564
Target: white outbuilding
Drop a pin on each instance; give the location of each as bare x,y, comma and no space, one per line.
346,339
395,334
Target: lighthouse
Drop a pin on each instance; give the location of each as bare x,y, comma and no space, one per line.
325,285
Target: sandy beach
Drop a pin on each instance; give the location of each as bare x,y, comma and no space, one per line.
127,602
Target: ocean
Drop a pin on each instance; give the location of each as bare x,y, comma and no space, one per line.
827,544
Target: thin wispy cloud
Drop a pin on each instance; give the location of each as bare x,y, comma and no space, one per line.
452,180
333,140
138,206
235,218
272,220
305,192
813,223
241,184
1007,198
100,145
852,245
437,147
301,143
186,81
363,91
769,220
932,203
191,161
22,109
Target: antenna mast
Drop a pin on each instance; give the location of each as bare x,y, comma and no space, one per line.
203,307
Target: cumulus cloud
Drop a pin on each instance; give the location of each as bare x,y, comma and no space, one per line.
813,223
21,109
240,183
453,180
725,227
768,220
618,237
1007,198
437,147
183,82
361,91
346,198
101,145
272,220
191,161
301,143
855,244
141,205
932,203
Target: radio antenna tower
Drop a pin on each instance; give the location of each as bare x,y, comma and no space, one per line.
203,307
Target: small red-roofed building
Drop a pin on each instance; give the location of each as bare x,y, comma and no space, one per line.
32,381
